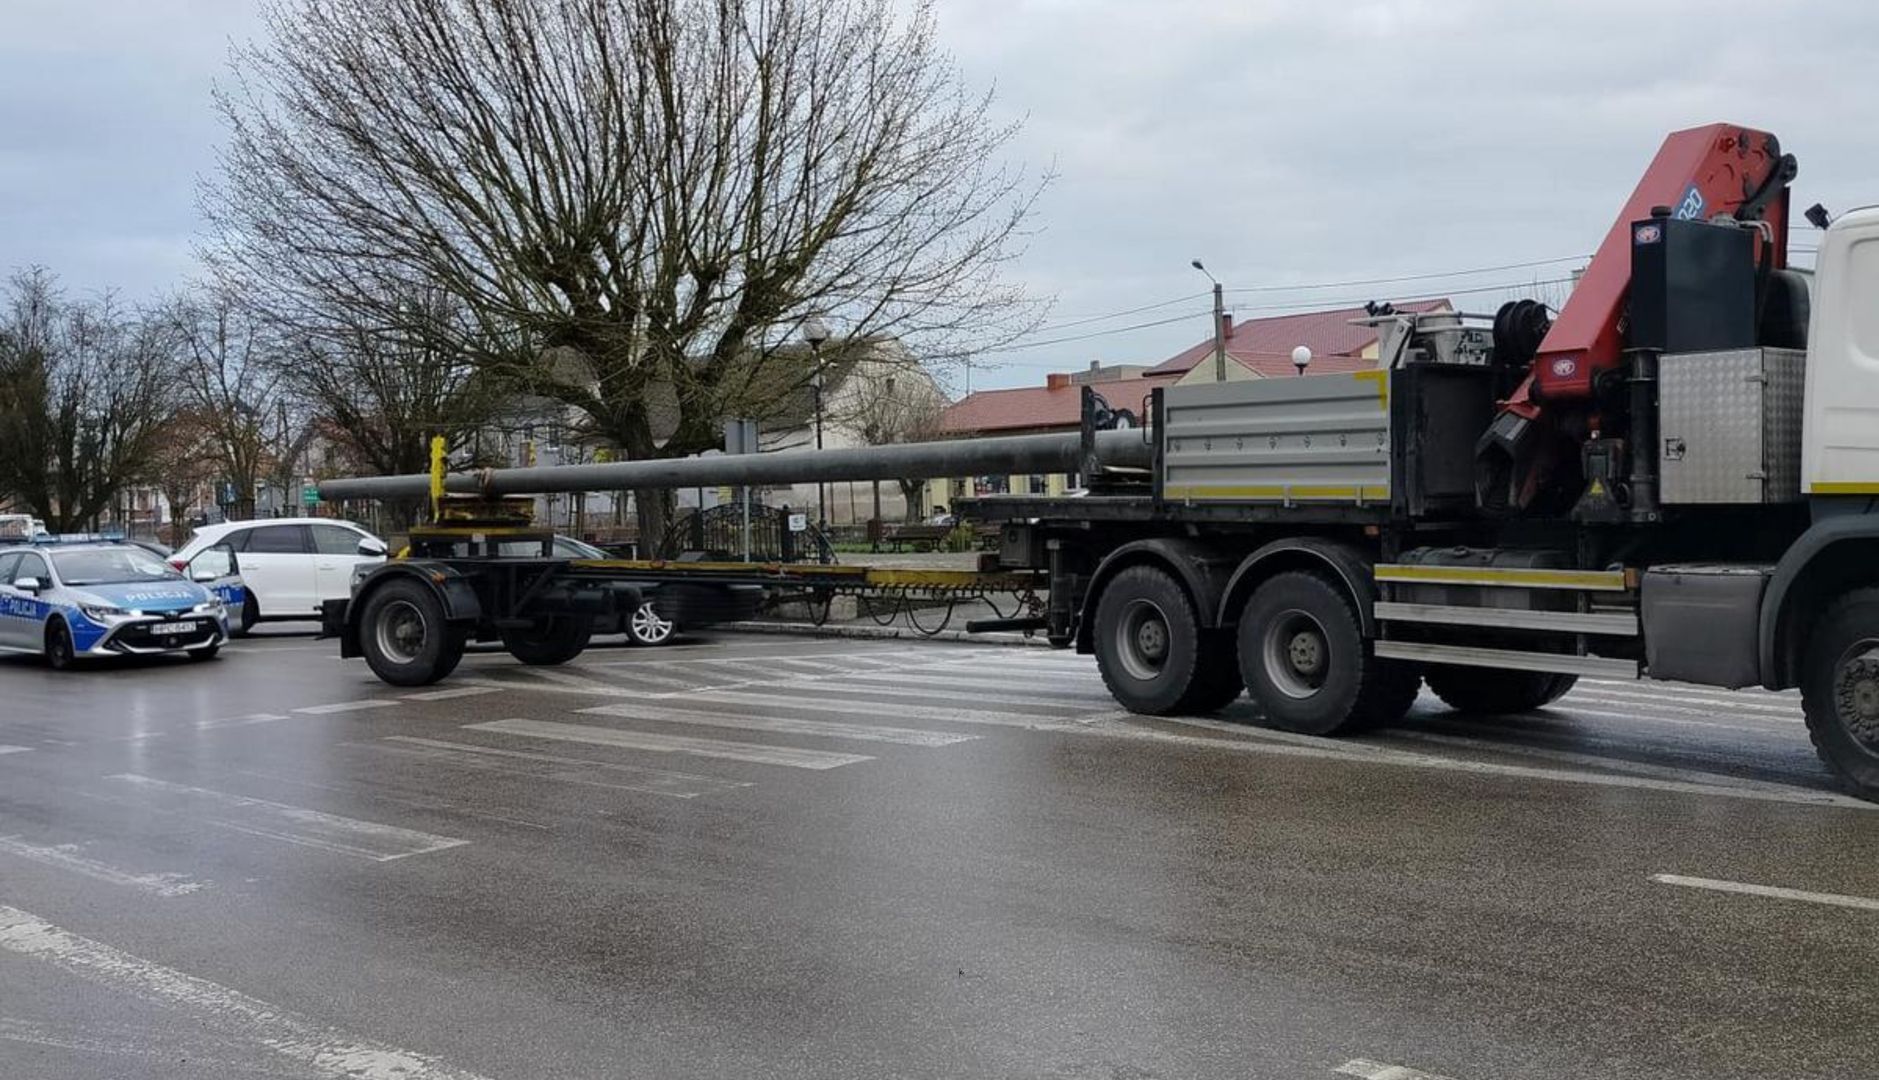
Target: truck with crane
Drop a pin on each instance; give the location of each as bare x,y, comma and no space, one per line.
1676,476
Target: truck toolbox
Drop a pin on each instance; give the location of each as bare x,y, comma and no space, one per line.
1700,622
1730,426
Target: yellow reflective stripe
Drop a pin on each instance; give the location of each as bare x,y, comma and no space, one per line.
1609,580
1842,487
1382,379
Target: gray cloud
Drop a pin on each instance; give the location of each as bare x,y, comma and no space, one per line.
1282,142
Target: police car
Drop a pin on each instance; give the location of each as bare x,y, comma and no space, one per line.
72,599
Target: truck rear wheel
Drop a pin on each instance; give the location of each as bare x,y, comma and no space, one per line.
1150,647
405,637
1306,664
1496,691
1840,690
550,641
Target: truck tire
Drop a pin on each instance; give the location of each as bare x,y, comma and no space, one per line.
404,636
1149,645
1840,690
1307,666
550,641
1496,691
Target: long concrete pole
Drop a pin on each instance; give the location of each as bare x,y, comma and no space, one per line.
945,457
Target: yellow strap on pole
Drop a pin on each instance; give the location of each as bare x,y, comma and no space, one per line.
437,476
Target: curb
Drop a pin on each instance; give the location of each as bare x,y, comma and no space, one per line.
880,633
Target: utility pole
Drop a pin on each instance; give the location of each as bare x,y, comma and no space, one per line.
1220,325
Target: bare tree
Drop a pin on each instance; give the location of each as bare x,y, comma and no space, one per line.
185,465
380,392
666,188
231,379
893,403
83,395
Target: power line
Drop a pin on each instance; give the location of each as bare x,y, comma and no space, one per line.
1083,319
1410,277
1104,333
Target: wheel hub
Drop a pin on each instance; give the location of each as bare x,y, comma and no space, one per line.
1151,640
1856,699
1306,652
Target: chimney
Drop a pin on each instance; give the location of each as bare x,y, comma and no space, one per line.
1226,325
1056,380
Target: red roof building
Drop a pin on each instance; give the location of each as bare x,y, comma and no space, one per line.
1264,346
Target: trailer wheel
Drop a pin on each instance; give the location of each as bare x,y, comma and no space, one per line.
1306,664
1840,691
1149,644
550,641
404,636
1497,691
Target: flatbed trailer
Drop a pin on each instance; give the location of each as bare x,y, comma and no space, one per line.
1677,478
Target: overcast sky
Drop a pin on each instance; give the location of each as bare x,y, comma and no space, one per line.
1284,143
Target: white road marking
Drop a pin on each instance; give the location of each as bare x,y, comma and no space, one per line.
450,694
975,686
1723,700
1566,708
1687,707
239,721
292,1035
672,744
345,707
1371,1070
921,696
1596,761
634,777
67,857
1772,892
293,824
7,749
786,726
201,1050
888,709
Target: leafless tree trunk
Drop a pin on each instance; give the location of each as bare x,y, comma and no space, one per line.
233,384
663,189
889,406
83,395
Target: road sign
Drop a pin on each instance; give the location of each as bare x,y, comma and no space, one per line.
309,495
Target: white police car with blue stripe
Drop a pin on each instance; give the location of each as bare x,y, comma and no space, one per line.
69,600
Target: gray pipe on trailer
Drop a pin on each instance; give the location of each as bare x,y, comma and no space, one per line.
946,457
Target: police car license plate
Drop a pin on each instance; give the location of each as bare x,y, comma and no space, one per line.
173,628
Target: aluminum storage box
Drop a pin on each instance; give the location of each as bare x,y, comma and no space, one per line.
1729,426
1303,439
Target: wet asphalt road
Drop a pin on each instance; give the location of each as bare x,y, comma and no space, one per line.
784,857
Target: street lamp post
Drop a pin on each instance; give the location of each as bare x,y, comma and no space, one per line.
1220,325
815,332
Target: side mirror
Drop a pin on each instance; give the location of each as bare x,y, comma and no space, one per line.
30,585
213,564
372,549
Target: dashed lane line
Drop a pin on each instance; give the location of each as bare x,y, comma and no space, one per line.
295,1036
345,707
1371,1070
451,693
777,725
9,749
69,857
1770,892
290,824
678,785
755,753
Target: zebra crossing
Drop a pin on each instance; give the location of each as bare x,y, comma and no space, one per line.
720,727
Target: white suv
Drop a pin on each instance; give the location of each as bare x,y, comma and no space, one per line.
289,565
